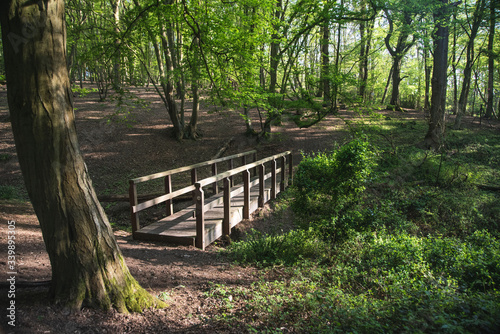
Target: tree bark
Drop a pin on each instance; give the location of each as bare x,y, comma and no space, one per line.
336,66
325,60
397,53
365,32
387,85
396,80
454,65
428,71
464,93
275,44
192,128
491,61
87,265
115,5
436,130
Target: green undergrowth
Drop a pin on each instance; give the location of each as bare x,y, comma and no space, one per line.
389,238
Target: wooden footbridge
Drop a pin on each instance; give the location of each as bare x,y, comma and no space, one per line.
210,217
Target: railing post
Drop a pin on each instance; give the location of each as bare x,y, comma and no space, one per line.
290,169
254,160
194,179
226,224
214,172
273,179
283,169
168,190
134,216
246,194
200,216
262,171
230,166
243,163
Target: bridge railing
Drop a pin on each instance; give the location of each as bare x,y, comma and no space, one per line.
196,188
136,207
286,167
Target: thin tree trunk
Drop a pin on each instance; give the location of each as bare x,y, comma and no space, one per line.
365,31
191,130
454,65
274,60
115,4
387,86
428,71
335,88
87,265
464,94
182,87
397,53
325,60
491,62
165,69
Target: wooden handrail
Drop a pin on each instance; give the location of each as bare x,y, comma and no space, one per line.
187,168
202,183
196,188
218,177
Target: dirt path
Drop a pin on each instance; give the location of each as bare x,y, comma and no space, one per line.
133,145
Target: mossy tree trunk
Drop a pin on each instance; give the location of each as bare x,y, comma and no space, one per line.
87,266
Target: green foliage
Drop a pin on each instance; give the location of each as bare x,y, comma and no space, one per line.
378,282
329,187
7,192
82,92
465,265
288,248
15,192
416,247
4,157
340,177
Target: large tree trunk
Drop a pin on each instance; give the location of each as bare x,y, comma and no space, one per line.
396,80
435,133
87,265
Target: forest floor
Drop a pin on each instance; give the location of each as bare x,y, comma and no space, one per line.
124,145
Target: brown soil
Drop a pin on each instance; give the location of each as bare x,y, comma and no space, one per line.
115,152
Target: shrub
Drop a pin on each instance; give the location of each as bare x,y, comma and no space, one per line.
7,192
288,248
329,186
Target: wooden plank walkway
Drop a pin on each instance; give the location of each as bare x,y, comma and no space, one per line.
210,218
